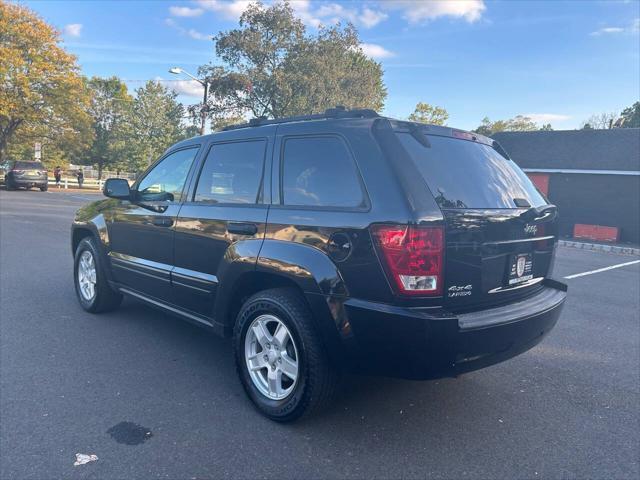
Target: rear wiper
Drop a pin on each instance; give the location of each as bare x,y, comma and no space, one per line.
539,213
416,133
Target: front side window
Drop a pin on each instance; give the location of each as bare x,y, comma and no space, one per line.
232,173
320,172
166,180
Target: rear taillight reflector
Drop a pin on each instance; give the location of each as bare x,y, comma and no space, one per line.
413,257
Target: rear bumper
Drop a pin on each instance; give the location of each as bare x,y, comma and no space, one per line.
432,343
29,182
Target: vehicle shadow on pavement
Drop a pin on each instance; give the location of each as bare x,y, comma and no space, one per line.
360,398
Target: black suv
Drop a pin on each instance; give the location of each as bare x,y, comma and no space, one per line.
26,175
331,242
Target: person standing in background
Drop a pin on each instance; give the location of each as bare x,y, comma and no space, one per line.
57,173
80,176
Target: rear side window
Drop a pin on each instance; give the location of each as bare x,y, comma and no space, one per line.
465,174
232,173
320,172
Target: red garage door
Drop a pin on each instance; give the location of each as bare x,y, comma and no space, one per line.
541,181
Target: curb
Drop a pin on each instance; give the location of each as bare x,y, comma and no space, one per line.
598,247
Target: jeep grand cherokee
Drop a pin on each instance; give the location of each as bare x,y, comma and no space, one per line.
334,242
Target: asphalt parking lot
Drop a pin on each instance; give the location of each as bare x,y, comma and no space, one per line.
569,408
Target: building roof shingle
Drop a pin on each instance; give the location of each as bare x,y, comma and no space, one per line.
615,149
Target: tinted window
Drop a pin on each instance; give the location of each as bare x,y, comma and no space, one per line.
168,176
465,174
232,173
29,166
320,171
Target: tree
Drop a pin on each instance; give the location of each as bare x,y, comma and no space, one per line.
42,95
220,123
425,113
546,127
274,69
517,124
631,116
601,121
154,124
110,107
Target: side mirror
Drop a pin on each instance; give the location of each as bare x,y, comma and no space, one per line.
117,188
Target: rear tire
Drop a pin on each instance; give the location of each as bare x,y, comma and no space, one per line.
316,379
92,288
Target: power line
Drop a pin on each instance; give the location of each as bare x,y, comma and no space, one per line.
155,80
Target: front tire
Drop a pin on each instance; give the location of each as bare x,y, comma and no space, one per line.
92,288
280,358
44,188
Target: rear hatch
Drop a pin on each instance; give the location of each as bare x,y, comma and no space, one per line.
29,170
499,229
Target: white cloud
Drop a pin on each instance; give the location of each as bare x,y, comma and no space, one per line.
375,51
230,10
546,117
331,13
417,11
185,11
607,30
634,27
73,29
196,35
311,13
190,88
370,18
302,9
315,14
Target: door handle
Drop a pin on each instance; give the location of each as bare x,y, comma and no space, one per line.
242,228
163,222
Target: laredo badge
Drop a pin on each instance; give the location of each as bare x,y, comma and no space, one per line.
460,290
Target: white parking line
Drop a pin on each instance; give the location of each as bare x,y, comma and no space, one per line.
575,275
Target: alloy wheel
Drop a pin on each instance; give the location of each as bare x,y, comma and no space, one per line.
87,275
271,357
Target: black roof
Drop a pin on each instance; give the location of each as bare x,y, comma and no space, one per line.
615,149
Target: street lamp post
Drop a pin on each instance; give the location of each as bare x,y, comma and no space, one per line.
205,85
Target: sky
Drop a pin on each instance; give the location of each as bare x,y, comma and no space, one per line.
557,62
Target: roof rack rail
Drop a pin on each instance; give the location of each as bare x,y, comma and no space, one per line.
336,112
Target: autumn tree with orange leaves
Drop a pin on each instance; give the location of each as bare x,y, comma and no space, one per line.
43,97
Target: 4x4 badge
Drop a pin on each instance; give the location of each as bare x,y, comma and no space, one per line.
460,290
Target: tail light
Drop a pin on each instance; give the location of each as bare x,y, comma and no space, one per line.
413,257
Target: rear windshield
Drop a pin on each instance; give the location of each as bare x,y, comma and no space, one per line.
28,166
465,174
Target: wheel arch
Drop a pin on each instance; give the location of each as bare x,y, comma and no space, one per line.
97,231
304,269
78,234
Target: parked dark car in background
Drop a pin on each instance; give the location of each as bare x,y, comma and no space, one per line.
21,174
335,242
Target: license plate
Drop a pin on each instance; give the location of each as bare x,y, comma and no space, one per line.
521,268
